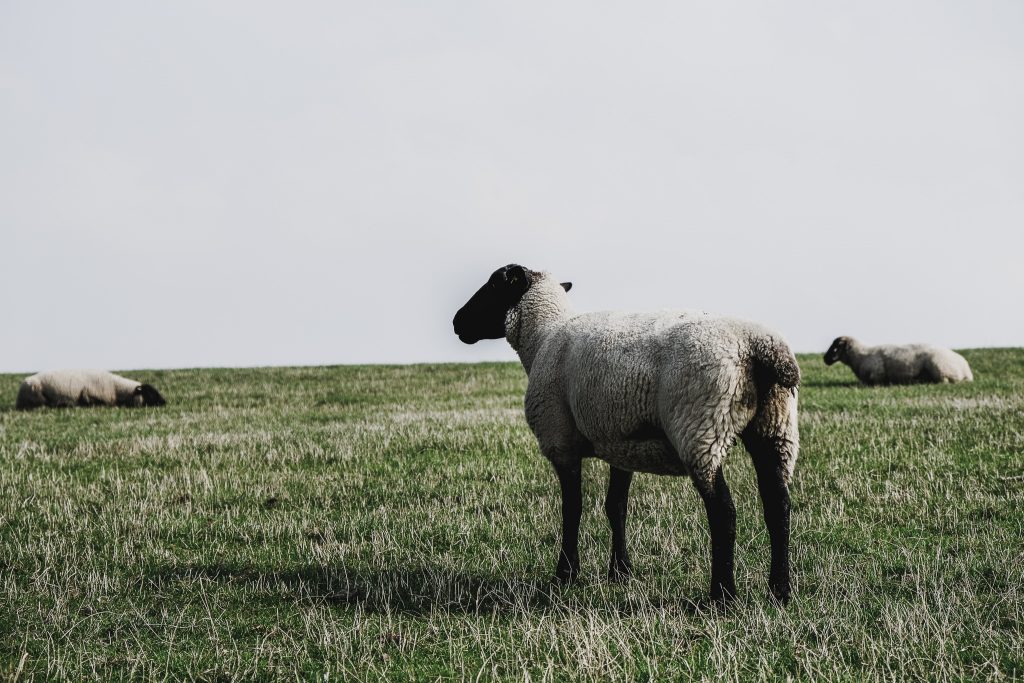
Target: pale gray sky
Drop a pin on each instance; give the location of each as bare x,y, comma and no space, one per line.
251,183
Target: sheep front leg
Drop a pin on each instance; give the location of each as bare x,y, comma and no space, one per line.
722,524
619,480
570,478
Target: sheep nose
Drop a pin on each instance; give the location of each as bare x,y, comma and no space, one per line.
457,320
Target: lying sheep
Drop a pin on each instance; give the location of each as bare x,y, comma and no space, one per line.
665,393
63,388
892,364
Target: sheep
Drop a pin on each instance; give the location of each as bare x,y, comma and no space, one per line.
64,388
891,364
664,393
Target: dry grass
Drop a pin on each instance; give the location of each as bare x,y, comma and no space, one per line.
370,522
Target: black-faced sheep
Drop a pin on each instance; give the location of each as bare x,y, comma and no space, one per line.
891,364
666,393
64,388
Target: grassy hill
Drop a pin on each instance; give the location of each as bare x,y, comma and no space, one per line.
363,522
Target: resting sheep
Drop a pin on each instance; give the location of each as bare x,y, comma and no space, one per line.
665,393
890,364
63,388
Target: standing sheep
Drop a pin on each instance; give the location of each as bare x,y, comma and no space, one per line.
63,388
665,393
890,364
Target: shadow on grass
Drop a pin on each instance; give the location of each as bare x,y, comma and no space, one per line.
829,383
412,590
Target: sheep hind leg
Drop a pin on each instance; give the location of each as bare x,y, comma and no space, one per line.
722,525
620,566
570,479
767,455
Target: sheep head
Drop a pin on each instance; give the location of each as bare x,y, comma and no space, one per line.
837,351
147,395
483,316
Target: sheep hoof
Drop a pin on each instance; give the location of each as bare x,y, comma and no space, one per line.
565,578
723,593
566,573
780,592
619,575
620,571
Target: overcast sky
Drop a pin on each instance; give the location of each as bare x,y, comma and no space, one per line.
216,183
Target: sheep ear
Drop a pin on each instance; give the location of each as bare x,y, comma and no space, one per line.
514,273
567,286
517,278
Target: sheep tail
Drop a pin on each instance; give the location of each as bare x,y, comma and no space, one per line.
774,363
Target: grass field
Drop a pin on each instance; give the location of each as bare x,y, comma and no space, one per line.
368,522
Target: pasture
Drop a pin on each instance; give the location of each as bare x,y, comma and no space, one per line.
357,523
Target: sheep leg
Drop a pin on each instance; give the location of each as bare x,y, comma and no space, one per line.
619,480
775,499
570,478
722,525
771,483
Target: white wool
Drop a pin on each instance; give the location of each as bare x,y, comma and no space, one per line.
893,364
665,392
59,388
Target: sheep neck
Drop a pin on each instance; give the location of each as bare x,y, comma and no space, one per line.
530,322
855,351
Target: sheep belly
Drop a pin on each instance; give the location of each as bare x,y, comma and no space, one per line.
654,456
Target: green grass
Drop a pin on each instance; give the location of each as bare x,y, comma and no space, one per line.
370,522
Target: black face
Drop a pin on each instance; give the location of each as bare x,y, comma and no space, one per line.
150,396
483,316
837,351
